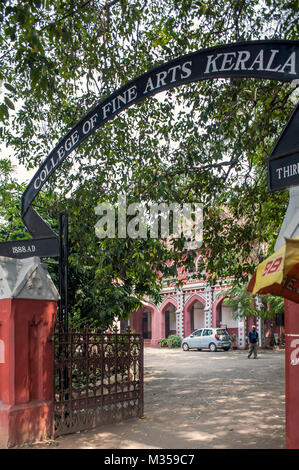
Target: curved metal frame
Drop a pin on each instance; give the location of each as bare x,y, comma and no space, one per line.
265,59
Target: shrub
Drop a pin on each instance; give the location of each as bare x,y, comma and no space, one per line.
174,341
163,343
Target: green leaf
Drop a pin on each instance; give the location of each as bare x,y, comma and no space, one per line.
9,103
10,88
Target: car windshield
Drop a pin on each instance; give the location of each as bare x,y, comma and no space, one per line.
222,332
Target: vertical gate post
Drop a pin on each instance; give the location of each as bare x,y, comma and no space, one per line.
28,306
292,374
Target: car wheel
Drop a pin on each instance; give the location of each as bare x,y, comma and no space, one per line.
212,347
185,347
226,349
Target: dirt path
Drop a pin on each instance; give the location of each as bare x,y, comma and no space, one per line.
199,400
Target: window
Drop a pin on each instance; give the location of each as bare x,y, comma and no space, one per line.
197,333
207,332
222,332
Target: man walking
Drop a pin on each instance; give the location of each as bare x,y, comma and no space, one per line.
253,337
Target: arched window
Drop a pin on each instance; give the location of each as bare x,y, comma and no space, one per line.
170,320
197,316
146,324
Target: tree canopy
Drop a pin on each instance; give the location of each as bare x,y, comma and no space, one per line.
205,142
243,304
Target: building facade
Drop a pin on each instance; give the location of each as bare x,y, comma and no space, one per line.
197,304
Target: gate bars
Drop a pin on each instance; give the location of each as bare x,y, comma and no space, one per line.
98,375
104,379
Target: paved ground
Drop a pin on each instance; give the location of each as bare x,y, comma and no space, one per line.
199,400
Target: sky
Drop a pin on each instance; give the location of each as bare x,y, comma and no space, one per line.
21,173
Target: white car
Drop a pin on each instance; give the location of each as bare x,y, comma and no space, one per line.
207,338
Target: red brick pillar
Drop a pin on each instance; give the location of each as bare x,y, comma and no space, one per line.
292,373
28,306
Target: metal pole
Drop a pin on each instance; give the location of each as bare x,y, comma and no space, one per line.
61,266
66,266
60,305
66,317
63,287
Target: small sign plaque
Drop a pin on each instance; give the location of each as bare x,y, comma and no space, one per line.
41,247
283,162
284,172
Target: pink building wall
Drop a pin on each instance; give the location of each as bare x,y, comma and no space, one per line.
183,300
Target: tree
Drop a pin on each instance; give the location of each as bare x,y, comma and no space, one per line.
205,142
11,226
261,306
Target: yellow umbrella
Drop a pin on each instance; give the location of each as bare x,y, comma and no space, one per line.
279,273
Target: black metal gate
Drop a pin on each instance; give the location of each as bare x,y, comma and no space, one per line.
98,378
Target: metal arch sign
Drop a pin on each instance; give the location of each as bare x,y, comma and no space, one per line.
265,59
